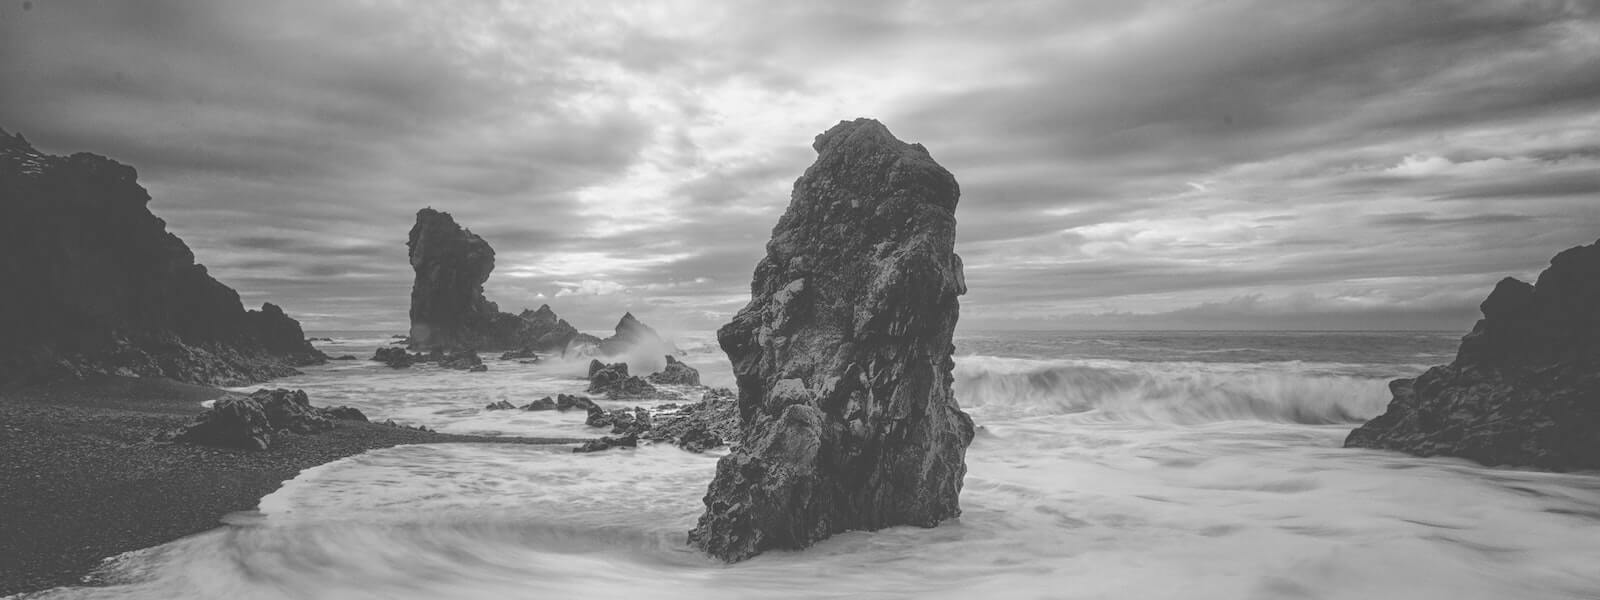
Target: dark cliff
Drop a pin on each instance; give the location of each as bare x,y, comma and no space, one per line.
96,284
1524,388
843,359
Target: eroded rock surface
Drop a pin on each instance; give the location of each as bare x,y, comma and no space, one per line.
1524,388
675,373
95,284
252,422
843,357
448,308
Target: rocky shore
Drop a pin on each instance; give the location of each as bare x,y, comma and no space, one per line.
85,477
1524,389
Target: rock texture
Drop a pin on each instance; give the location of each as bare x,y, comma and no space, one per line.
675,373
251,422
95,284
842,357
1524,388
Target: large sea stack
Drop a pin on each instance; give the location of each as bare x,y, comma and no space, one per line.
95,284
1524,388
448,309
842,357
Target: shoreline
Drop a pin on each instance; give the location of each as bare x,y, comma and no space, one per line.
84,480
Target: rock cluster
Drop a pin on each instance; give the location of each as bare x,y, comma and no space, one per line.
675,373
614,381
95,284
252,422
843,357
1524,388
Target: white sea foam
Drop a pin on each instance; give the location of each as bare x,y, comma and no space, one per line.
1090,479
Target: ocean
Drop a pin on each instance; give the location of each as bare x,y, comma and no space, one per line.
1142,465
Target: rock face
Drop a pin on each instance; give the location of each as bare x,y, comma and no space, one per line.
630,335
94,283
250,423
675,373
448,309
1524,388
842,357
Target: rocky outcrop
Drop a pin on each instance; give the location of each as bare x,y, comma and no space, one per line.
709,423
1524,388
251,423
842,357
463,360
675,373
95,284
448,308
395,358
614,381
632,336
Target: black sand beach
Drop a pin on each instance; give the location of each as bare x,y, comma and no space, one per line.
81,478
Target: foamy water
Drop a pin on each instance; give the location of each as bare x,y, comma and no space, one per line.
1090,478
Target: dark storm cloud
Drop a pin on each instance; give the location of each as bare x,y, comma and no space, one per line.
1119,160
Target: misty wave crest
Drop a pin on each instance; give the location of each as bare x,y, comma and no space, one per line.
1174,393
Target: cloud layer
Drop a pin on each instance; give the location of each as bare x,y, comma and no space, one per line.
1184,164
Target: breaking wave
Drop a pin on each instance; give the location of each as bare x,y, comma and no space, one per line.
1167,392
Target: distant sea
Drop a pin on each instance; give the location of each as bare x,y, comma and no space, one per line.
1142,465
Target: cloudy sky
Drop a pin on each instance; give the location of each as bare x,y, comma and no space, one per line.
1124,164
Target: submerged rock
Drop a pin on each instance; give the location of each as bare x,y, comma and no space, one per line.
466,360
607,443
95,284
675,373
709,423
843,357
1524,388
501,405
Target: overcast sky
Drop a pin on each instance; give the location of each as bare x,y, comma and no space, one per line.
1124,164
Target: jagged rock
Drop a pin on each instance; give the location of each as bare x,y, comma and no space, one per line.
502,405
569,402
545,403
843,357
614,381
448,309
632,336
396,358
709,423
582,345
95,284
607,443
465,360
252,422
675,373
1524,388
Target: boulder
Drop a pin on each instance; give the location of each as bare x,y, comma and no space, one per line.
1524,388
614,381
500,405
465,360
675,373
95,284
843,357
252,422
396,358
545,403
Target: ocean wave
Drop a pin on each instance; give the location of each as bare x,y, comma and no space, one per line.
1167,392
